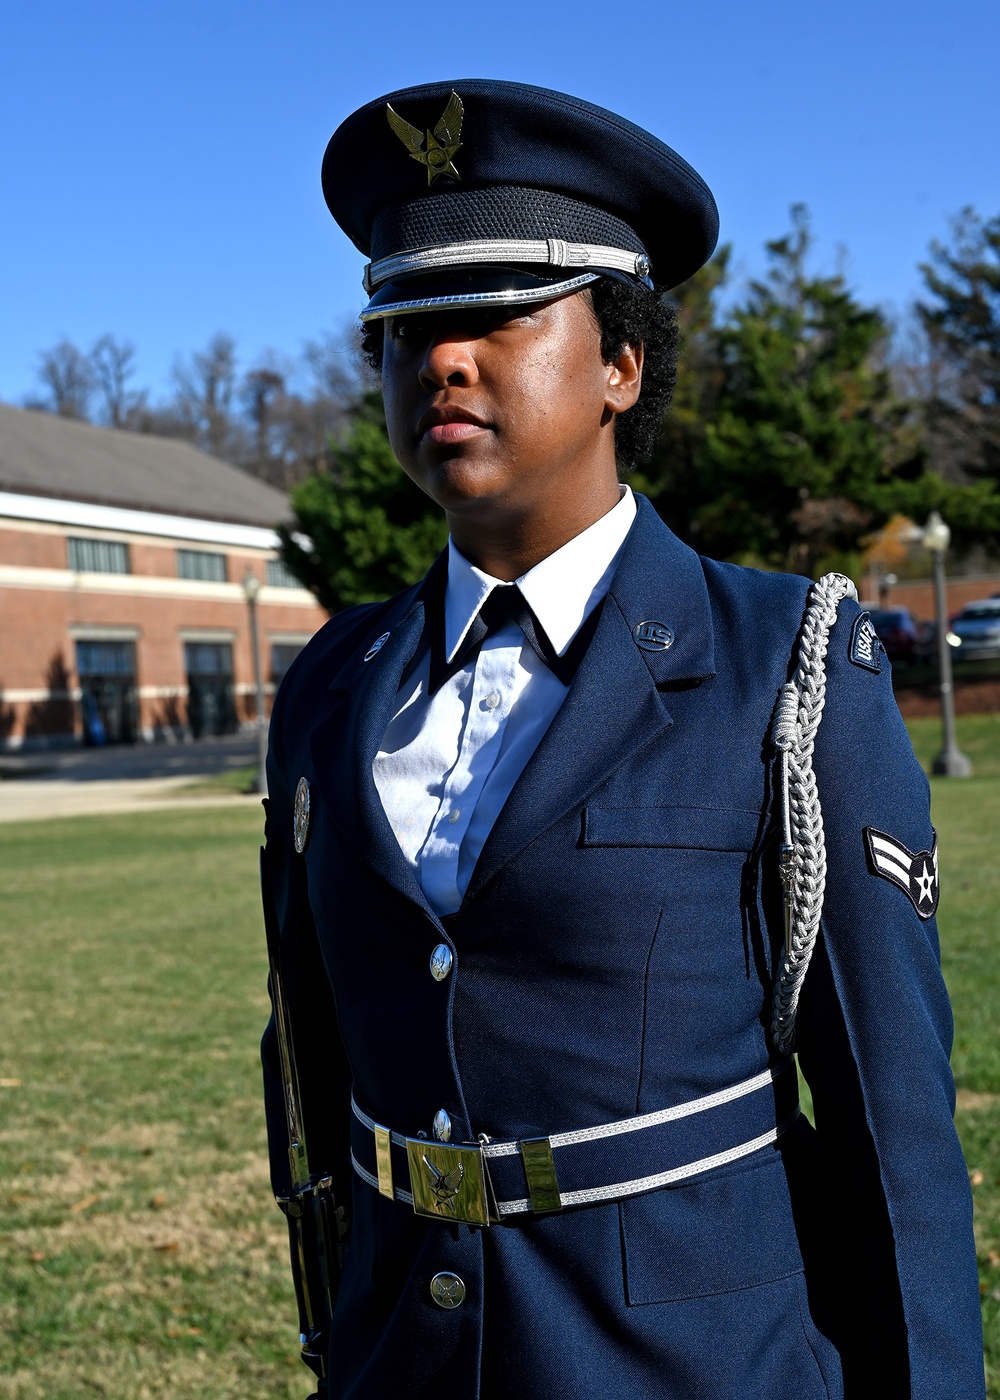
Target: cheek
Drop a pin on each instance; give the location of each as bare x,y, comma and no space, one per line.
396,409
563,392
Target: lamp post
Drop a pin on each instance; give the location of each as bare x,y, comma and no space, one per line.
950,761
251,587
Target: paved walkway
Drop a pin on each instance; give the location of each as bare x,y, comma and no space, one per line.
34,799
130,778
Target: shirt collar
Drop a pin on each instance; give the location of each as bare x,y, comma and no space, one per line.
562,590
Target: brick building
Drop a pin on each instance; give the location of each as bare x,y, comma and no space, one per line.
122,609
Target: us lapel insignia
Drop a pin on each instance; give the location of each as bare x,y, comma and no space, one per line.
915,873
865,649
653,636
300,815
443,143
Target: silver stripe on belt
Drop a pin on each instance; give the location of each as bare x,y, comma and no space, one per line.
451,1181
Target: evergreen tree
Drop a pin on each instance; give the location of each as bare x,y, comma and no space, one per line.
670,478
962,323
804,445
371,532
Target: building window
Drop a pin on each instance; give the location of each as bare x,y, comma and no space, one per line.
199,564
211,709
98,556
107,689
279,575
282,656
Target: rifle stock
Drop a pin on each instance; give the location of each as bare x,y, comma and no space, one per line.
316,1225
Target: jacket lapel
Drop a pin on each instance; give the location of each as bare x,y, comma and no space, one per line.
343,745
614,706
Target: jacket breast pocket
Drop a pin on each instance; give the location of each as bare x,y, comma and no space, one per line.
702,866
684,828
731,1230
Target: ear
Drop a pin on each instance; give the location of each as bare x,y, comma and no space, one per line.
624,379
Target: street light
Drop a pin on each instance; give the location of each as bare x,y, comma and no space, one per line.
251,587
950,761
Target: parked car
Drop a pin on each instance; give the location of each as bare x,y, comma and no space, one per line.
975,631
900,633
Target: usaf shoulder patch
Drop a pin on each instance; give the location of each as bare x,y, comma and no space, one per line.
916,873
866,649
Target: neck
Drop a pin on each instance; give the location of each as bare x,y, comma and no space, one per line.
507,543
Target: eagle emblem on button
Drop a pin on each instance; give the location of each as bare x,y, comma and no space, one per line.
653,636
300,815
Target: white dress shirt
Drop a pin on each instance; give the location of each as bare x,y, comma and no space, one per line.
448,762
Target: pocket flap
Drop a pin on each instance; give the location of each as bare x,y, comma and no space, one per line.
725,1232
697,828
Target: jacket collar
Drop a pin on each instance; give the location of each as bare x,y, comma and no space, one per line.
344,743
561,590
661,579
615,706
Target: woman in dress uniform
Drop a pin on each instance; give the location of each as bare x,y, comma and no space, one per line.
528,829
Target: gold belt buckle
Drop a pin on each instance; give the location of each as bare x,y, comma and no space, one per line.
448,1181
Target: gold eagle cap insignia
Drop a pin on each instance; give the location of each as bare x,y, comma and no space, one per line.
443,143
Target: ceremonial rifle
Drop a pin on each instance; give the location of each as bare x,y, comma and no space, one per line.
316,1224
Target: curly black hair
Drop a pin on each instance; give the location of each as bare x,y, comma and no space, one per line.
626,314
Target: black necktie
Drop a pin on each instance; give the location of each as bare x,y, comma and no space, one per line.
507,604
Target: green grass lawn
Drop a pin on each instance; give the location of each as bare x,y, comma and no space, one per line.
141,1253
966,813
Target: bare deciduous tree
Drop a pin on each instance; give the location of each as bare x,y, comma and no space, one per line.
261,393
67,375
204,395
113,364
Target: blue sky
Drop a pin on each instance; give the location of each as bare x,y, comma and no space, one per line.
159,162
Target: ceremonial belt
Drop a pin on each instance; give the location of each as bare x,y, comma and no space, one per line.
482,1181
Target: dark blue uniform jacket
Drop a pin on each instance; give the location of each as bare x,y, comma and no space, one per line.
614,955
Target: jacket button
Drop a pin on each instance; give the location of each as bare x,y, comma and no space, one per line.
441,962
448,1290
442,1126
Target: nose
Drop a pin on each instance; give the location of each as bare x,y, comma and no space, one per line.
448,360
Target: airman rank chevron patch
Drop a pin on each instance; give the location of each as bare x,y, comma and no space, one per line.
866,649
916,874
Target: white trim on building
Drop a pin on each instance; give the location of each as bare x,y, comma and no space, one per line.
138,522
150,585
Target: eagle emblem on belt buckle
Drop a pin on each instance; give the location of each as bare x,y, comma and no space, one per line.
448,1181
446,1185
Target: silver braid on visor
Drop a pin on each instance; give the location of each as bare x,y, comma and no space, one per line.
553,252
520,297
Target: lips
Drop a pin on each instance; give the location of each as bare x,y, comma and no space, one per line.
449,424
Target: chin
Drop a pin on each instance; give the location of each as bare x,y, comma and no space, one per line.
459,482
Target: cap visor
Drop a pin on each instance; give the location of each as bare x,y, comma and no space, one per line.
467,287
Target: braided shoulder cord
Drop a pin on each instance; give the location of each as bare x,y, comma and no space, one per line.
797,714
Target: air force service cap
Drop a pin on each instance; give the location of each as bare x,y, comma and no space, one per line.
479,192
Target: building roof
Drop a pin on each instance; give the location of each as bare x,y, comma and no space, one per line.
43,455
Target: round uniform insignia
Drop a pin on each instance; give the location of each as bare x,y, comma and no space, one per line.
376,646
653,636
300,815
